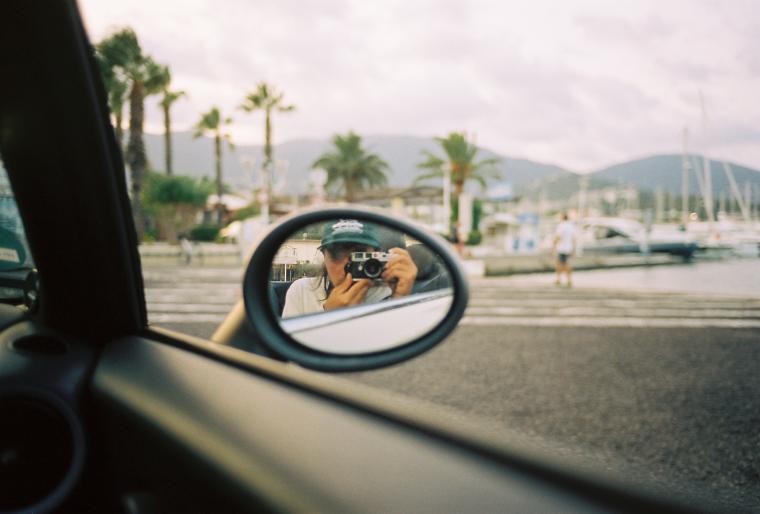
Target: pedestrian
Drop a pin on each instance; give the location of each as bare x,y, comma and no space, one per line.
564,248
457,237
186,248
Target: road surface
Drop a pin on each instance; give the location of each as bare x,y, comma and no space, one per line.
660,389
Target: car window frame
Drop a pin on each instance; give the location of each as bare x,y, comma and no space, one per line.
61,177
92,286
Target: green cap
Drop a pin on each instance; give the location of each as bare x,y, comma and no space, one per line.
349,231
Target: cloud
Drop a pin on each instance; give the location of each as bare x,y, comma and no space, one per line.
579,84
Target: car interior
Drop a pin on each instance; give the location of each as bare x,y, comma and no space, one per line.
101,412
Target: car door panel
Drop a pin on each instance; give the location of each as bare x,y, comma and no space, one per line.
279,447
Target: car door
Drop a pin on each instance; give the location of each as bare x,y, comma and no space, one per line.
111,415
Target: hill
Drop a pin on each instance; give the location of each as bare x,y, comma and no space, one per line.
664,171
195,157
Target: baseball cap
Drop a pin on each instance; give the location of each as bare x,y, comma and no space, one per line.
349,231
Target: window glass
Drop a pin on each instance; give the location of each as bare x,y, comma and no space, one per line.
15,257
597,168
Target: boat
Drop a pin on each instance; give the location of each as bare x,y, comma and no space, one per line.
739,239
620,235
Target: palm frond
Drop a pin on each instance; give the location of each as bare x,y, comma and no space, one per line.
428,176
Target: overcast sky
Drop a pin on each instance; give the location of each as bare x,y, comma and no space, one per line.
580,84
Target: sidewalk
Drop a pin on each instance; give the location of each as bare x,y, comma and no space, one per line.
541,263
214,254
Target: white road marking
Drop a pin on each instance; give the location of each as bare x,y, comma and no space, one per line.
602,311
231,297
157,318
612,304
189,307
206,295
485,321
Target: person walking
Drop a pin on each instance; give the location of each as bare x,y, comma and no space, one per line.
186,248
564,248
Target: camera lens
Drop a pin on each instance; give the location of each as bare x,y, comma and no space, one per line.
373,268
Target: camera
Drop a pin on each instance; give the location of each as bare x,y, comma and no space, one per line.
367,265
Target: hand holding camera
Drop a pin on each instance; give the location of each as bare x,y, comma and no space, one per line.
348,292
400,272
395,267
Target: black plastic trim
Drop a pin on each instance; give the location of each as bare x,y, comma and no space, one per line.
64,488
65,168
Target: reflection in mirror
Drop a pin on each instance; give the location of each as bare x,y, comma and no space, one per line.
354,287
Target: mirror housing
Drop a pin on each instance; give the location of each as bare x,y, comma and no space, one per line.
266,327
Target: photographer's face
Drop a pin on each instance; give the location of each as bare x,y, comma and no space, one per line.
336,258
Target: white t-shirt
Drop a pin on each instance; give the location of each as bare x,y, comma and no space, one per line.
565,235
307,295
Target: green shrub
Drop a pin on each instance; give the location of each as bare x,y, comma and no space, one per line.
149,236
172,203
246,212
477,211
474,238
477,214
205,233
175,189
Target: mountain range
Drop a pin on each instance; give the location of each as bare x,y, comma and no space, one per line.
195,157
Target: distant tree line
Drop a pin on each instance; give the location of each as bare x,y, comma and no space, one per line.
131,76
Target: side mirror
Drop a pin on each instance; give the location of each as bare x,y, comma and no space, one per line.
346,289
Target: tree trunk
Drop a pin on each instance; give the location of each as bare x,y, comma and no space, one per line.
268,136
136,159
168,139
119,130
218,155
458,190
461,232
350,190
268,153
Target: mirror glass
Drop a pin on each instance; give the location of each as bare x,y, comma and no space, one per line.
348,286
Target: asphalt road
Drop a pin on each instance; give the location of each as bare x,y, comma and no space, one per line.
670,408
652,388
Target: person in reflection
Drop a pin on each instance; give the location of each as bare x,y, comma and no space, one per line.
335,287
564,247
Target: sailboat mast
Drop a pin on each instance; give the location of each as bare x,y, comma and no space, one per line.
708,193
735,191
685,166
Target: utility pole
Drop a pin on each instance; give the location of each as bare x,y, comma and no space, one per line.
582,196
659,204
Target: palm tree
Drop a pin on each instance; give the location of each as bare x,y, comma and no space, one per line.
213,123
166,103
116,88
112,54
350,167
459,161
144,77
266,98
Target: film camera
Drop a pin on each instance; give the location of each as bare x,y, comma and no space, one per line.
367,264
